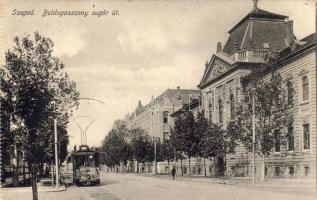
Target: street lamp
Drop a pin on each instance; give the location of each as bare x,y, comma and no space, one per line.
155,163
56,150
253,137
56,153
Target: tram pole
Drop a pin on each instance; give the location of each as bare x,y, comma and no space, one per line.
253,138
56,153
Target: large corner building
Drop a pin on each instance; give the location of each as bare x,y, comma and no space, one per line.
259,33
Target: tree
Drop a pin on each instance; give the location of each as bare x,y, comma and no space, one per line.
116,146
232,137
273,110
213,144
202,128
39,91
184,136
112,145
177,138
191,138
6,137
141,146
166,150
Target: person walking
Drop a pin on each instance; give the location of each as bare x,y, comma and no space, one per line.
173,172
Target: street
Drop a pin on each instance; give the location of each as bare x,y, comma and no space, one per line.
138,187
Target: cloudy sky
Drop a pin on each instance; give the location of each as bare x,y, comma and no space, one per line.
149,47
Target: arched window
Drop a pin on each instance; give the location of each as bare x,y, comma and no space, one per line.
210,100
290,92
165,117
232,107
305,88
220,107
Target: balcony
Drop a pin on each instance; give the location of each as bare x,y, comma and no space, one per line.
250,56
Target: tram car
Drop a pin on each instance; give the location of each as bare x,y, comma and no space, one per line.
85,166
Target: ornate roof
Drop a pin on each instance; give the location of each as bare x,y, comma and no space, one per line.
260,30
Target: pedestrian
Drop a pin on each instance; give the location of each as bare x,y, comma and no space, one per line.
173,172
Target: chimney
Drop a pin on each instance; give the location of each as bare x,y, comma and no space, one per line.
235,43
219,47
178,93
140,104
289,30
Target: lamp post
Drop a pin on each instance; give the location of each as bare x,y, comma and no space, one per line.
56,153
253,137
154,138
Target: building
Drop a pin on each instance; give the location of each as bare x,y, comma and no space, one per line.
259,33
198,165
155,117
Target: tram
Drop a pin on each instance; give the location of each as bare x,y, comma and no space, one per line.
85,166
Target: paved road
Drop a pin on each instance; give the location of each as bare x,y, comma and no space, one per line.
136,187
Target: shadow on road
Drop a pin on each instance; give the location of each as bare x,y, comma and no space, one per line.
109,182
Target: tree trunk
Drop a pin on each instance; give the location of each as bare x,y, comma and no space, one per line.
225,165
174,157
15,178
214,168
182,167
34,182
23,166
263,170
137,167
205,167
190,170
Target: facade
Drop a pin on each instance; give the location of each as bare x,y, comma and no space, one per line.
198,165
155,119
226,74
255,36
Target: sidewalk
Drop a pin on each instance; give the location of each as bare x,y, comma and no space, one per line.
283,185
9,181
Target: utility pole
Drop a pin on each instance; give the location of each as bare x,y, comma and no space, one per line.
253,137
155,164
56,153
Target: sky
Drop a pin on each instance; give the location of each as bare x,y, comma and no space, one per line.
149,47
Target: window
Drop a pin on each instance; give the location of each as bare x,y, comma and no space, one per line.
232,107
290,138
166,169
277,142
220,107
277,171
291,171
290,92
306,171
306,136
305,88
165,117
210,101
165,135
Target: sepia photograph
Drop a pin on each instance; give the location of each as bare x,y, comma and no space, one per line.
158,100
